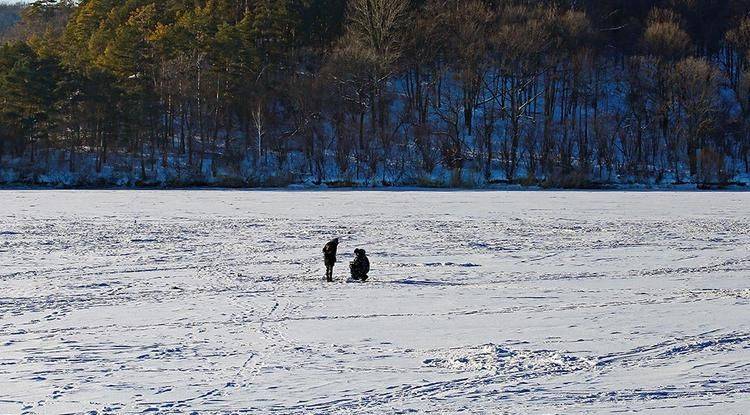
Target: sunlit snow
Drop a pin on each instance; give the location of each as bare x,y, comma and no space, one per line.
478,302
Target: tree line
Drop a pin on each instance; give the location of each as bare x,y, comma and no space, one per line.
376,92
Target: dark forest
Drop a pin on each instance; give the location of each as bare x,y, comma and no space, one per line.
564,94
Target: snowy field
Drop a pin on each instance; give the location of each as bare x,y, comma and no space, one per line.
479,302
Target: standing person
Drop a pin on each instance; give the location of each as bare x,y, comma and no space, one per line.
329,257
360,266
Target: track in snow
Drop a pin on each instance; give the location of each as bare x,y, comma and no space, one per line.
480,302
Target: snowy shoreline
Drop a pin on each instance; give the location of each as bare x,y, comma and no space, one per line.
685,187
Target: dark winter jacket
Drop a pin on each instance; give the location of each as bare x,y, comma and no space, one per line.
329,252
360,266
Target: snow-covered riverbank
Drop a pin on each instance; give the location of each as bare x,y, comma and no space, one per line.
483,302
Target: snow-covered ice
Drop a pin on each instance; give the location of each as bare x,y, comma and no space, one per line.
479,302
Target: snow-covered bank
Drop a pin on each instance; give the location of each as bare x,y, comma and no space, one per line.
480,302
126,173
741,185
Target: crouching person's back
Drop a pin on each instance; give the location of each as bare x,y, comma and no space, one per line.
360,267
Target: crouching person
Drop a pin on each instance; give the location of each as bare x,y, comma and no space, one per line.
360,266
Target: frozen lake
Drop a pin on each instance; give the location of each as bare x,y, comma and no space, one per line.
479,302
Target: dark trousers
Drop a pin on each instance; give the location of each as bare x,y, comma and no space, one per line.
329,270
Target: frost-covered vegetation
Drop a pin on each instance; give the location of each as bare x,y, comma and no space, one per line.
376,92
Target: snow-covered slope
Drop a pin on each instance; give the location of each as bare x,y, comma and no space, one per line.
479,302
